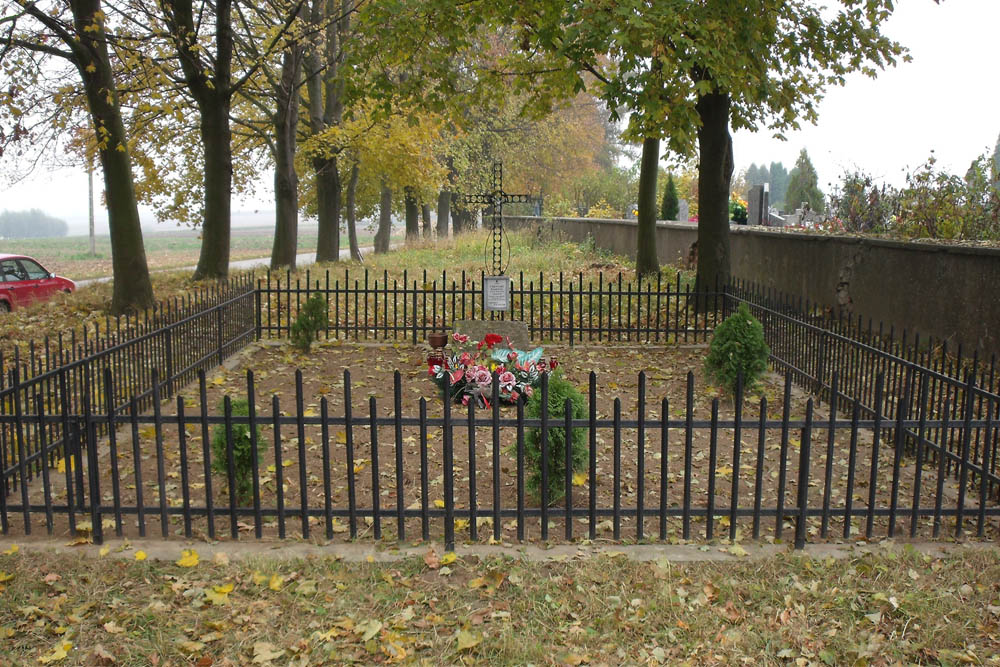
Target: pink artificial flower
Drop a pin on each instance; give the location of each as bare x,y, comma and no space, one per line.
514,396
529,390
460,338
457,375
465,359
465,399
512,355
506,380
483,377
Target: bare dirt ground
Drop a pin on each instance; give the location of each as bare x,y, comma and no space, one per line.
289,465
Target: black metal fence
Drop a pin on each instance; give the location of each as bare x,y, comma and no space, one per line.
179,337
561,307
76,437
919,377
376,469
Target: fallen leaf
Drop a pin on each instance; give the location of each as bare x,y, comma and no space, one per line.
449,558
59,652
13,550
189,558
467,640
100,656
190,647
431,558
140,555
113,628
368,629
264,652
275,582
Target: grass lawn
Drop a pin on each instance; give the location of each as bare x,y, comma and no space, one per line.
70,255
892,607
90,303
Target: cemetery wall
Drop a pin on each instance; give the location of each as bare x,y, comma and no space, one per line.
941,290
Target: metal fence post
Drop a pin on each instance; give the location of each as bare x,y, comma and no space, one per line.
169,360
803,483
218,337
258,317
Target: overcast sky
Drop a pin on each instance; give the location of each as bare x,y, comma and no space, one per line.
946,100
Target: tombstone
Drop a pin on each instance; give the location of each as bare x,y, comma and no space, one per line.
477,330
683,211
758,205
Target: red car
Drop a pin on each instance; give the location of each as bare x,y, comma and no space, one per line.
23,280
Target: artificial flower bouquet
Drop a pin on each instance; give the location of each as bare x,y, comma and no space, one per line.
470,366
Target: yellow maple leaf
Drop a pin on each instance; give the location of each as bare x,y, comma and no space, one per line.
5,577
218,595
90,68
58,653
140,555
449,558
104,551
13,550
189,558
438,503
275,582
258,578
579,479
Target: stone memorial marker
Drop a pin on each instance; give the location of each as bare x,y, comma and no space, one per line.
683,211
477,330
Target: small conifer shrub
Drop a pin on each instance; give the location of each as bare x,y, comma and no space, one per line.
242,450
559,390
312,319
737,348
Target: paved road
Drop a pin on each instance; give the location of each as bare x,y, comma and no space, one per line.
239,265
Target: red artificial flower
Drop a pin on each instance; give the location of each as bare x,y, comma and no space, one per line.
553,363
492,339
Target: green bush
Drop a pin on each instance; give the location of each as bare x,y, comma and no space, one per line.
737,347
242,452
312,319
559,390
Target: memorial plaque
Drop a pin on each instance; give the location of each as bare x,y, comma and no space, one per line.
496,293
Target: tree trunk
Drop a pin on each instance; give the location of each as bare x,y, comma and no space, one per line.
328,204
286,181
715,171
216,136
132,288
384,220
352,219
210,82
443,213
646,261
412,215
425,215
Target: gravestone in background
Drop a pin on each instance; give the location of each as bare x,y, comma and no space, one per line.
683,211
758,205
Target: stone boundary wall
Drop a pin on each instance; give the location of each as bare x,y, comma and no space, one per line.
946,291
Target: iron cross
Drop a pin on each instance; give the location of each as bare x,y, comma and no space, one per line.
495,201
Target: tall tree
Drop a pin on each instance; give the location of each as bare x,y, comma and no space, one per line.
688,71
670,208
803,185
286,180
79,26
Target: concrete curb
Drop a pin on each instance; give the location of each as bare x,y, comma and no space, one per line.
170,550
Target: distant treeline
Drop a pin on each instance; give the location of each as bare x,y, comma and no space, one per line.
31,224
